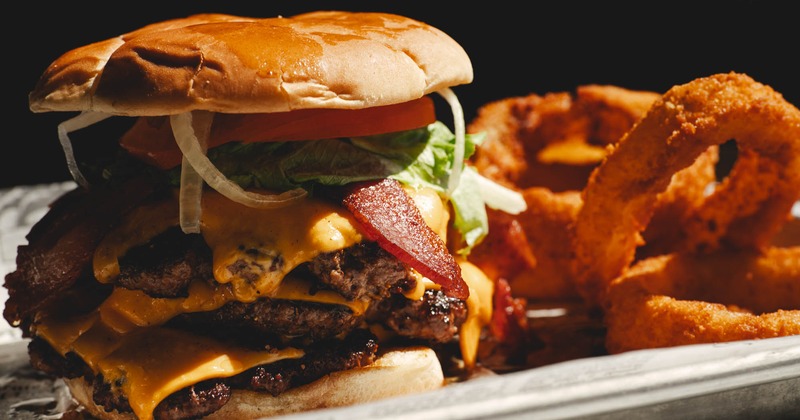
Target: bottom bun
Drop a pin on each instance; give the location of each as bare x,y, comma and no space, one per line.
396,372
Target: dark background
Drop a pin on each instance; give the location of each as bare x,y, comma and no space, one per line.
516,48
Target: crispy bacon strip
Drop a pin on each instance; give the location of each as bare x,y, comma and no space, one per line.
388,215
61,245
509,323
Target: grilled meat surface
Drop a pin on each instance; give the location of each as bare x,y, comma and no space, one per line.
332,336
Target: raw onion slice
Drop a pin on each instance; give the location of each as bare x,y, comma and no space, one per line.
83,120
499,197
193,152
190,198
191,191
460,132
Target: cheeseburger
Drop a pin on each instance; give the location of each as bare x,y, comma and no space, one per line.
283,225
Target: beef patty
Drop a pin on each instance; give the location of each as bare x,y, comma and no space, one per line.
170,261
332,336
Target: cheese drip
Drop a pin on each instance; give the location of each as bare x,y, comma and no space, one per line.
479,310
253,249
479,307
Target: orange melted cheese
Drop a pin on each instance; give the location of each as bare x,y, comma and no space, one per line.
253,248
253,251
148,370
139,226
125,310
479,310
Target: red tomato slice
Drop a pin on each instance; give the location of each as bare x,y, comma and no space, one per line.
151,138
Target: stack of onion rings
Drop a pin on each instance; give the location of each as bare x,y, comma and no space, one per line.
547,146
554,140
687,297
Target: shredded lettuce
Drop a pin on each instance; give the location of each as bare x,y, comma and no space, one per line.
418,158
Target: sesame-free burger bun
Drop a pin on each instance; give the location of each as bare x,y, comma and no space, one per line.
231,64
397,372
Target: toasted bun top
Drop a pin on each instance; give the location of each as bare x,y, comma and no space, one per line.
233,64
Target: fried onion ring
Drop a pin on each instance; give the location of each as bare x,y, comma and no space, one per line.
547,223
729,217
554,140
679,299
546,146
619,200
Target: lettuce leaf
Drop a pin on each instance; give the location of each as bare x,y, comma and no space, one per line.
418,158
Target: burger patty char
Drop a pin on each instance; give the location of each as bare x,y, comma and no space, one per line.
365,272
166,265
270,322
434,318
169,262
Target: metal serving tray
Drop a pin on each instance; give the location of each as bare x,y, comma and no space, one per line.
739,380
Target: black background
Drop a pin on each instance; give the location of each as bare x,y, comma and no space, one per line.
516,48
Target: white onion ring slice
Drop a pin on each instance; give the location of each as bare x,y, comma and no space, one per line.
191,191
460,132
193,152
83,120
499,197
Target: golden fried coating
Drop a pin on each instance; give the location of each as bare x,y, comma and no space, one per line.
679,299
547,146
526,136
628,216
622,193
547,224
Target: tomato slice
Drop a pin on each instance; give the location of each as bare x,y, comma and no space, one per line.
151,140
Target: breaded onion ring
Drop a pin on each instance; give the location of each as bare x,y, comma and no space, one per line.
547,223
546,146
554,140
619,200
730,216
682,299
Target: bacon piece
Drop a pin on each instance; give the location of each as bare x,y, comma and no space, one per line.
506,251
61,245
388,215
509,325
509,322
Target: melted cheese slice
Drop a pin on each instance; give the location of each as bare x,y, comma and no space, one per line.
148,370
253,251
125,310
